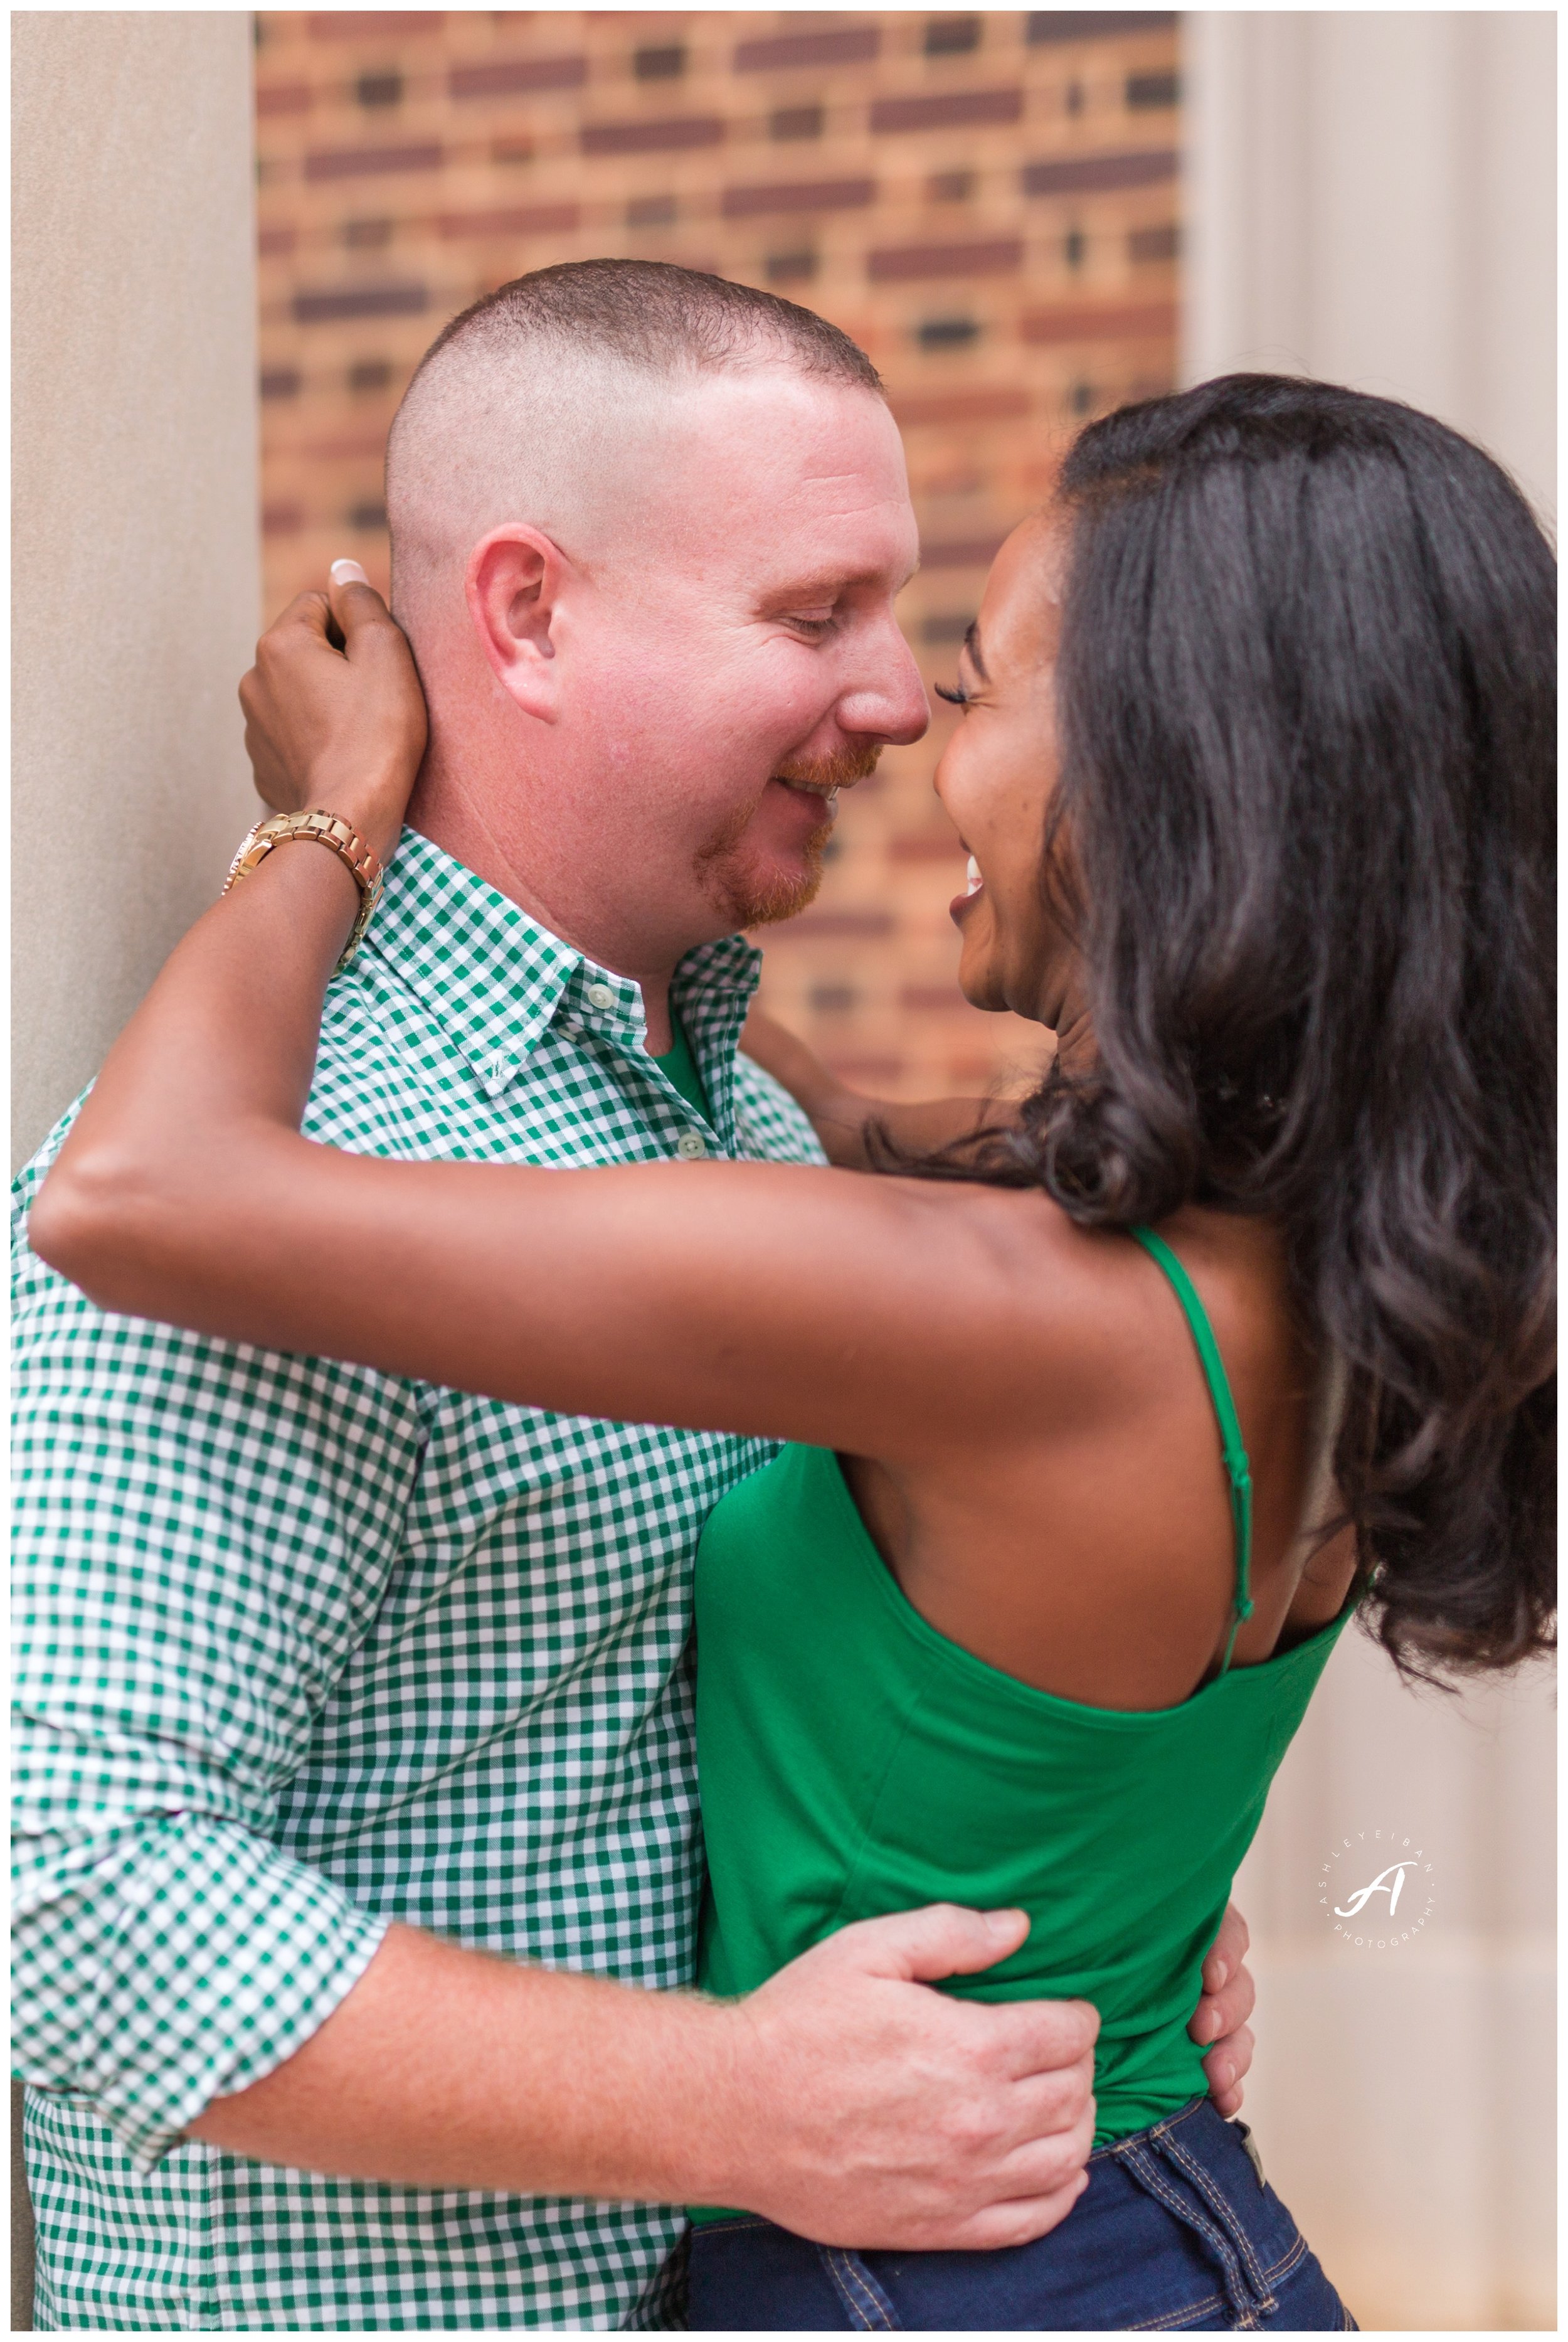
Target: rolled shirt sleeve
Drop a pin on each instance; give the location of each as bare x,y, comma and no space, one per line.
202,1534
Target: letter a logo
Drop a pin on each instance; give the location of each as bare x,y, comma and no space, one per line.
1380,1885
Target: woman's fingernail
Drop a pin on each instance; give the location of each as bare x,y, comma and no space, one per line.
348,572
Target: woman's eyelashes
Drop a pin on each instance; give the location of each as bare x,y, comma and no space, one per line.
956,698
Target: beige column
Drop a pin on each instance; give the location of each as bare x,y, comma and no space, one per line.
136,576
1371,199
137,568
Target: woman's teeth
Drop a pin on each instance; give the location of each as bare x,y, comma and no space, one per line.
975,880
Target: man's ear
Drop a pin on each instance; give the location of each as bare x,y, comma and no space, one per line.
513,584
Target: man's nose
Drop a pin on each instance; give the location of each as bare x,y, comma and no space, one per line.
886,700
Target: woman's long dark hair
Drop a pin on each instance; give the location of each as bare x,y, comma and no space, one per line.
1303,835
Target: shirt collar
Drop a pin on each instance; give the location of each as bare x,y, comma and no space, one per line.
496,980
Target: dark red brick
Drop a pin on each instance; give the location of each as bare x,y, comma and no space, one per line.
796,122
522,219
816,195
922,998
666,135
961,553
360,301
842,923
923,849
282,97
959,107
1091,175
374,23
1095,24
902,264
1154,243
371,162
964,406
855,44
1100,321
350,446
496,78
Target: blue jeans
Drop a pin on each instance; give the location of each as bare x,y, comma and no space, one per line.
1177,2232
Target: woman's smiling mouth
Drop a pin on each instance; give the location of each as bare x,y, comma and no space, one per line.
961,903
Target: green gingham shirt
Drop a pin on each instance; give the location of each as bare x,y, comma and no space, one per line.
301,1649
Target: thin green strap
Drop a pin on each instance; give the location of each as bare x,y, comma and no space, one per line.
1237,1470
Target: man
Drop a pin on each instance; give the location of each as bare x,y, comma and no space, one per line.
335,1687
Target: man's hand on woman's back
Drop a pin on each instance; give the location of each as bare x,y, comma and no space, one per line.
883,2114
844,2099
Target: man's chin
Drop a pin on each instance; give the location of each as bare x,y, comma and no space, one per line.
754,896
785,898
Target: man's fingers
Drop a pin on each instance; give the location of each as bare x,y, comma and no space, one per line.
1227,1951
1227,2067
1042,2037
1047,2105
1040,2165
1226,2011
1018,2221
921,1947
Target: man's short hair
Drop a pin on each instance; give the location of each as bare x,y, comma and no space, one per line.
520,407
658,318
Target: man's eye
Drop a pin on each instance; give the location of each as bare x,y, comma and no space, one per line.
812,627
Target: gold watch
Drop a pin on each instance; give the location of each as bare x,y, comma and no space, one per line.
328,830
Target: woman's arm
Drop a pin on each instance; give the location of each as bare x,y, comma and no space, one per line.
843,1117
882,1316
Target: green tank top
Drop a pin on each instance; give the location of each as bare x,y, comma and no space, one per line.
853,1761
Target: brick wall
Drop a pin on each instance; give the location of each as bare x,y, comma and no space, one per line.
987,203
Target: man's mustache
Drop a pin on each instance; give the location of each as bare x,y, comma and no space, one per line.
839,771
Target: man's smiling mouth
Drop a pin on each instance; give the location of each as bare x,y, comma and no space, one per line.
822,776
825,792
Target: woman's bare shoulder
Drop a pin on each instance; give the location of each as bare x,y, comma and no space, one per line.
1028,1302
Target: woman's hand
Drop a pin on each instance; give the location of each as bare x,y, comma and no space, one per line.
843,1118
345,728
837,1115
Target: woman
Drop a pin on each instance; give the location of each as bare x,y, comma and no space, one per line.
1254,768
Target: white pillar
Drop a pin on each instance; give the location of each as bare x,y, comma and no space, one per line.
137,570
1371,200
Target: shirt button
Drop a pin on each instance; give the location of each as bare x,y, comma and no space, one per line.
691,1144
599,996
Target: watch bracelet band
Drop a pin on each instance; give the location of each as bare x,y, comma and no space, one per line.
323,828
